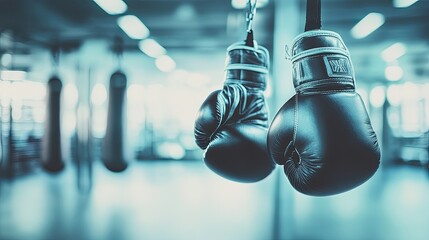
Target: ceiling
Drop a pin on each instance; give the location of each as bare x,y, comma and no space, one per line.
173,23
196,24
401,24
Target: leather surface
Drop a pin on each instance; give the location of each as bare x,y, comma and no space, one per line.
51,157
232,123
323,135
113,155
251,58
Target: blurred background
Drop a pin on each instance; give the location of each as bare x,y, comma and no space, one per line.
172,53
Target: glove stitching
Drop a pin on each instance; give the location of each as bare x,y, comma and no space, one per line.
321,82
338,80
319,52
295,127
308,89
295,130
332,54
325,92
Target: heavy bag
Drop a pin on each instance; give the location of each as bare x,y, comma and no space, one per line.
51,156
113,155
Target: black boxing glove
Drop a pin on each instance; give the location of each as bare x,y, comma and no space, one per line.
232,123
323,135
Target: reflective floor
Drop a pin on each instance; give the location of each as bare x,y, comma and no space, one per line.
184,200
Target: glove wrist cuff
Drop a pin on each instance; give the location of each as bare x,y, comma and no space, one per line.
321,61
247,65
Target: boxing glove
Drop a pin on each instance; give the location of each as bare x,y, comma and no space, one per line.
323,134
232,123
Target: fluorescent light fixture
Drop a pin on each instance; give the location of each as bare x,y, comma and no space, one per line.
393,73
393,52
367,25
133,27
6,59
151,48
403,3
241,4
9,75
112,7
165,63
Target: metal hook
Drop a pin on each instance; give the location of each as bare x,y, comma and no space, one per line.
250,14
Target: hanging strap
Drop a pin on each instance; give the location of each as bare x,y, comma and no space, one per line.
313,20
249,39
55,54
118,49
250,14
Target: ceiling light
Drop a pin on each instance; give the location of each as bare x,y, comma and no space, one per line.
6,59
151,48
112,7
165,63
133,27
403,3
393,52
367,25
241,4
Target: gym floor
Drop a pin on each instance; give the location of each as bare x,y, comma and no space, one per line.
184,200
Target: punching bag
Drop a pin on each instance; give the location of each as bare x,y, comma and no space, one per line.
51,156
113,146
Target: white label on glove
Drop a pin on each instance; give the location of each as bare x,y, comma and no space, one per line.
337,66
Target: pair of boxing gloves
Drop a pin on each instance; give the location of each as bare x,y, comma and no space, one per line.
322,136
